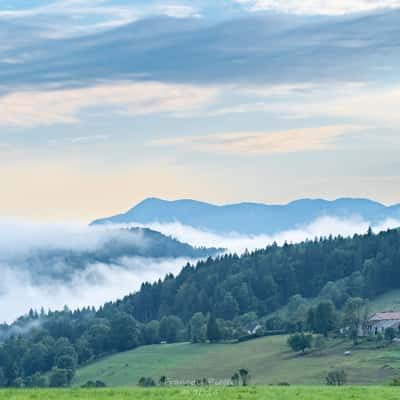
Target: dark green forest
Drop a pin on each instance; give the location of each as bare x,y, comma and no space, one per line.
216,299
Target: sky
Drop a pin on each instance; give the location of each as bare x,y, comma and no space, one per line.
106,102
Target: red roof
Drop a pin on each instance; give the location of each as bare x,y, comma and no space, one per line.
386,316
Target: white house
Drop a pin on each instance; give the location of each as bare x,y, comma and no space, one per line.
379,322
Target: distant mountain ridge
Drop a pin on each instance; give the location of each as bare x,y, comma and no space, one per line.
251,218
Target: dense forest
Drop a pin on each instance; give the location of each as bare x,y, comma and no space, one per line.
217,299
338,268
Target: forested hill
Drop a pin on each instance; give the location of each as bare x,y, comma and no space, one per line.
229,292
337,268
252,218
110,248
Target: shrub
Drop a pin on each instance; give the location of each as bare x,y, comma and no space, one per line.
336,378
235,379
163,381
92,384
395,382
390,334
59,377
146,382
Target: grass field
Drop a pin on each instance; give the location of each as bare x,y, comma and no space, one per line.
268,359
250,393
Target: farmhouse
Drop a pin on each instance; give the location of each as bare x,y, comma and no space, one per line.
379,322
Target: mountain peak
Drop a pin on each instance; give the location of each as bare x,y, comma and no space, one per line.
251,218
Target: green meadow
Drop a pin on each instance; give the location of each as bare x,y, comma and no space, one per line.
212,393
268,360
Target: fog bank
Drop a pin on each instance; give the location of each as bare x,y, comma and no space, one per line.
24,285
233,242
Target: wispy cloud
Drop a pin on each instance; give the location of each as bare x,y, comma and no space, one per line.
77,140
177,11
238,243
30,108
351,100
60,18
263,143
364,104
321,7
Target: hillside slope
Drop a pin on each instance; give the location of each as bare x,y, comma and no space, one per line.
268,359
251,218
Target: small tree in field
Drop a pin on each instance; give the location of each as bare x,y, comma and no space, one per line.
299,342
244,375
336,378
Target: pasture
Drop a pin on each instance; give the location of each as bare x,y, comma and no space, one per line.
268,359
211,393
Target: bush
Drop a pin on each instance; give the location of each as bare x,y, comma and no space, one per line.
395,382
91,384
59,377
336,378
163,381
35,381
146,382
390,334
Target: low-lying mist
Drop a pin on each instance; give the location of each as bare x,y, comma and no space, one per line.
236,243
52,265
30,279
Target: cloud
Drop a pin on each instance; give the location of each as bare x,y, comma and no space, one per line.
263,143
97,283
18,294
28,281
350,100
177,11
269,49
237,243
319,7
79,140
34,107
360,104
64,18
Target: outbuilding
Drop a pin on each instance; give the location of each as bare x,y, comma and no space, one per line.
379,322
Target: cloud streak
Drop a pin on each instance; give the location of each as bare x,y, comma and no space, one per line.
237,243
39,107
263,143
319,7
65,18
350,100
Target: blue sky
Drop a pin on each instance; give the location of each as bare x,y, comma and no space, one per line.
103,103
